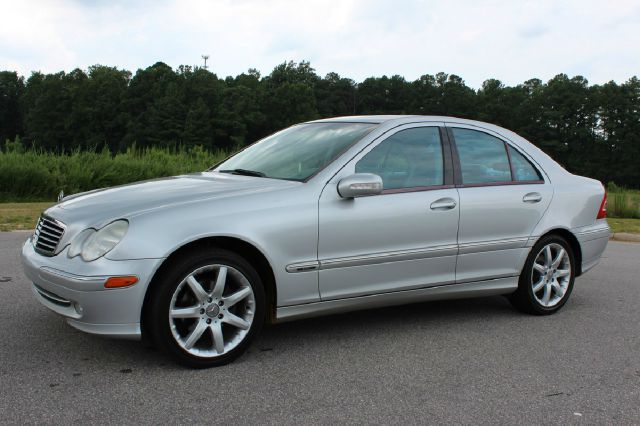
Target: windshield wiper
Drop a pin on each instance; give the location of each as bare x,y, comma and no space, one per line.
244,172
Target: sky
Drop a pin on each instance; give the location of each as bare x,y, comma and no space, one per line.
511,40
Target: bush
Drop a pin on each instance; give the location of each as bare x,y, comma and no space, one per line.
39,176
622,203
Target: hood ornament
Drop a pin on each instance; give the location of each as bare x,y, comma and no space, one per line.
60,195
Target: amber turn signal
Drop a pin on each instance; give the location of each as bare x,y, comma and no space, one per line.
117,282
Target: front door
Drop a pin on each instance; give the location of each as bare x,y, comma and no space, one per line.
404,238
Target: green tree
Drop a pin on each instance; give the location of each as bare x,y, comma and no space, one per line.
198,130
48,104
335,96
11,91
145,103
618,128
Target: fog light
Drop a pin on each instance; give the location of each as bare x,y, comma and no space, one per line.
118,282
78,308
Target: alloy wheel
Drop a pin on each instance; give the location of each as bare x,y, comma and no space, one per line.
551,275
211,310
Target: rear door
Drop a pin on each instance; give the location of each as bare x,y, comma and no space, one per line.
503,196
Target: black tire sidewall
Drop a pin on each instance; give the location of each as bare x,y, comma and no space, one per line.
160,302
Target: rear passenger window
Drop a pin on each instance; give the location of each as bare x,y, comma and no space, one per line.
522,168
483,158
407,159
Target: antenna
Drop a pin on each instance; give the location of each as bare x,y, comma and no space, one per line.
205,57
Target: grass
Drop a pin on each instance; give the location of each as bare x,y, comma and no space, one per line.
631,226
20,216
622,202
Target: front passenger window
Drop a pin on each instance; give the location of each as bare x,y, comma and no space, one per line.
407,159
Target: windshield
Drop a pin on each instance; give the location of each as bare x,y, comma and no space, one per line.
296,153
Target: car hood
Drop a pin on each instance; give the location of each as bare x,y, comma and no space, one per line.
126,201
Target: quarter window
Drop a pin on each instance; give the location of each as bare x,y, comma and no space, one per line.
523,170
408,159
483,158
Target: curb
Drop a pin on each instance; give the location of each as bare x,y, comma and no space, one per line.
626,237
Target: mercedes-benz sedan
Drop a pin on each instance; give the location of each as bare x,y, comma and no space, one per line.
322,217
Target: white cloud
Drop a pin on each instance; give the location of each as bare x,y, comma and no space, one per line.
509,40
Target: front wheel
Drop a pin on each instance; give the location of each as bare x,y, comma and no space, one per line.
208,308
547,278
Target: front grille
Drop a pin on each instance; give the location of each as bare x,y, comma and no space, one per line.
48,234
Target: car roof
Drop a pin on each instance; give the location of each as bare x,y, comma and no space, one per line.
376,119
397,119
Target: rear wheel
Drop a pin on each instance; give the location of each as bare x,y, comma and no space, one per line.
208,308
547,278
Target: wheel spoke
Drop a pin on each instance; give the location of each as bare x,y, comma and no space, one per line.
195,335
218,289
563,272
559,257
537,286
556,287
538,267
235,321
548,259
547,294
218,338
190,312
196,288
237,296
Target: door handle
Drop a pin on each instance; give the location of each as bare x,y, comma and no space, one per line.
444,204
532,197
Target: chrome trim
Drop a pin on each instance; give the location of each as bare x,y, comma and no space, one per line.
495,245
303,266
373,259
396,256
69,276
399,256
47,236
451,291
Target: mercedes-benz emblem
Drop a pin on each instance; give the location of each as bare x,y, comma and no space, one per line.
212,310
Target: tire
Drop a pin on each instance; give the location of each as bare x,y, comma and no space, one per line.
207,308
546,280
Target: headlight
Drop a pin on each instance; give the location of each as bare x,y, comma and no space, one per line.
92,244
78,242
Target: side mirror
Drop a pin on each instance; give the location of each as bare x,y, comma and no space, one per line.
359,185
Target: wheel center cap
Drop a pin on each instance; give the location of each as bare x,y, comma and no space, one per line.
212,310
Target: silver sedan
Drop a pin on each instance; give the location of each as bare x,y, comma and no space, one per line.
322,217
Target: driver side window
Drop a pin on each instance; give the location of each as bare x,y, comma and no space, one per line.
407,159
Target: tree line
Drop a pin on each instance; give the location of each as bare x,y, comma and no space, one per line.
592,130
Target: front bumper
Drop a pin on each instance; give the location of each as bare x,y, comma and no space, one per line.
80,295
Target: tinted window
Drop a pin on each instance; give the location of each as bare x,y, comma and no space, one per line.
298,152
522,168
407,159
483,158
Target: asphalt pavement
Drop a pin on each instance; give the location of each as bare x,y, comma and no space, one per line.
463,362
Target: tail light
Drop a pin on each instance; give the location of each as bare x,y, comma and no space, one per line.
602,213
